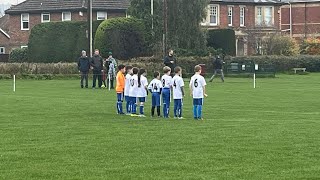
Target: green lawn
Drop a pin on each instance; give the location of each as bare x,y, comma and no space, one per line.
55,130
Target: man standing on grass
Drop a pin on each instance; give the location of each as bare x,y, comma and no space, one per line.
217,63
97,64
84,66
170,61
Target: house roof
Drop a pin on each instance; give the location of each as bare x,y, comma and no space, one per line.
61,5
4,22
248,1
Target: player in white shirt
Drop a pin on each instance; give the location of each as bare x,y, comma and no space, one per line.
127,88
198,92
166,80
155,87
133,90
178,92
142,90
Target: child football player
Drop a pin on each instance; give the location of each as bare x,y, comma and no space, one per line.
166,80
142,90
133,91
198,92
127,88
178,92
155,87
120,87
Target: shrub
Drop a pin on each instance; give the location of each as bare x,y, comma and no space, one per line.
280,45
58,41
224,39
19,55
311,46
125,37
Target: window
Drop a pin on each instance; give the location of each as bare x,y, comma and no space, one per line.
268,15
264,16
25,21
259,16
242,14
102,15
45,17
213,11
230,8
23,47
66,16
2,50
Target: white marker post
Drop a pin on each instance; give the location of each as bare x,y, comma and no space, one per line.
14,83
109,81
256,68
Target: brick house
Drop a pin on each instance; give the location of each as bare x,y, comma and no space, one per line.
15,28
304,19
250,19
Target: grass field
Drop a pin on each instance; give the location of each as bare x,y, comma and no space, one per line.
55,130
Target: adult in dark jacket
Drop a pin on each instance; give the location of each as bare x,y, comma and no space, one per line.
217,64
170,61
97,65
84,66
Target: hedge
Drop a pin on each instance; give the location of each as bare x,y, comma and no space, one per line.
285,63
281,64
224,39
58,41
125,37
19,55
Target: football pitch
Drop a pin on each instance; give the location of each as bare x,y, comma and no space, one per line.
54,130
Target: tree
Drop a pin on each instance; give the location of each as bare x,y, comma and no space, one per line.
184,18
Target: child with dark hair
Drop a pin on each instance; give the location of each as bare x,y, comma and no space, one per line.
127,88
142,89
120,87
133,91
155,87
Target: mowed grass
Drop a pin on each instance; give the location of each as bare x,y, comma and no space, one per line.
55,130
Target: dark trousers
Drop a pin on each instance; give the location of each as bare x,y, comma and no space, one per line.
97,75
84,76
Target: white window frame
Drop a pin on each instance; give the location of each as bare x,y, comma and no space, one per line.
242,16
212,13
259,15
105,15
272,15
65,13
230,13
42,20
25,21
3,49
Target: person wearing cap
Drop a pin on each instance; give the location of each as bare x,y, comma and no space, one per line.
217,63
84,66
112,60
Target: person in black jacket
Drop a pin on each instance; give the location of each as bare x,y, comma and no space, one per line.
84,66
217,64
170,61
97,64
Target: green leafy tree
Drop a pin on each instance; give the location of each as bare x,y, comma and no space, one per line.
183,17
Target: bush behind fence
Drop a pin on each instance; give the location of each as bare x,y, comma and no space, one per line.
151,64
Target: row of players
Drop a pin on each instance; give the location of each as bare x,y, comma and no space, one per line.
134,87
